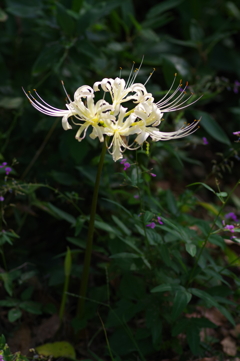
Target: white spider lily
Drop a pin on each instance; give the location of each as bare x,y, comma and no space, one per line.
120,129
121,93
113,120
89,115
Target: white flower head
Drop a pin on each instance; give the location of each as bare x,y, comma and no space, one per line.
112,119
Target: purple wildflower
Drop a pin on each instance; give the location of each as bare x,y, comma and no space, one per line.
237,133
159,219
136,196
1,358
8,170
235,87
229,227
4,164
153,175
205,141
123,161
1,200
151,225
231,215
126,166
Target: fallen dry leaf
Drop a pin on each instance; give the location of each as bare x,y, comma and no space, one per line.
207,332
20,341
208,359
213,315
47,329
229,346
236,331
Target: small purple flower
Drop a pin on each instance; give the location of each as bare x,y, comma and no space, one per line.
153,175
205,141
237,133
1,358
1,198
151,225
159,219
126,166
236,85
123,161
232,216
229,227
8,170
4,164
136,196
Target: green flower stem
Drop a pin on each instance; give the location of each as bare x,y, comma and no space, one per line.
67,272
88,252
64,297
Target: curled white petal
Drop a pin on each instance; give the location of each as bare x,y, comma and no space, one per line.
65,123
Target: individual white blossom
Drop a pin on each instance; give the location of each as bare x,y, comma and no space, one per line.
111,119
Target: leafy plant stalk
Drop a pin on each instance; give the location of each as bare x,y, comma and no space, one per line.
209,233
88,252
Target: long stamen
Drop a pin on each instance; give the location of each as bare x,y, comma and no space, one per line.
175,76
128,81
181,95
66,91
179,105
150,75
50,106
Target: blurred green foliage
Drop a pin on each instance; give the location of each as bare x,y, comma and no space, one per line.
48,193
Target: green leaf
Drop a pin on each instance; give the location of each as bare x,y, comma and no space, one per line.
222,194
212,302
105,227
8,303
180,327
171,202
166,287
193,339
57,349
31,306
162,6
191,249
173,64
11,103
7,280
48,58
61,214
156,330
121,225
212,127
3,16
134,177
181,299
118,205
65,20
125,255
218,240
203,184
24,8
63,178
14,314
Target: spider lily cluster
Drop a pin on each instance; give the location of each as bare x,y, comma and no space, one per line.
113,119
